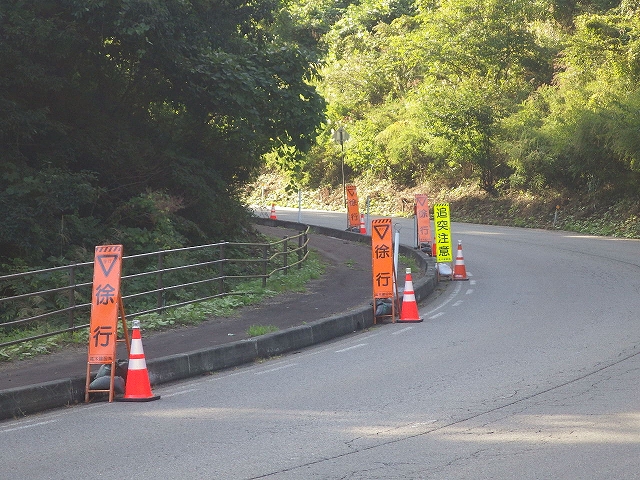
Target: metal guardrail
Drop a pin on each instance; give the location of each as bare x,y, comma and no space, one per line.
53,299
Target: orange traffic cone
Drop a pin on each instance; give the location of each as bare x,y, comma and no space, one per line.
363,228
138,387
459,270
273,212
409,311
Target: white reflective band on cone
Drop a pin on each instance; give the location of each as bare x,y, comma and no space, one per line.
136,347
137,364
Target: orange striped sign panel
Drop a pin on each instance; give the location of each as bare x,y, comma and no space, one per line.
105,297
353,211
382,258
423,219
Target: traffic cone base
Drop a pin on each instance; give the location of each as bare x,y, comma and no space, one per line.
141,399
409,310
137,387
459,270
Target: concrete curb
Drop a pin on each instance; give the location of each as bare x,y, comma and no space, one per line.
17,402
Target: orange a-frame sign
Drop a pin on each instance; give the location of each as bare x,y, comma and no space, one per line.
106,304
353,211
423,219
105,301
382,258
382,265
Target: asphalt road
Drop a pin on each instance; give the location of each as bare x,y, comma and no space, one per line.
528,370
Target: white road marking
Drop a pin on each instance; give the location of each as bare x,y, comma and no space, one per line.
181,392
275,369
401,331
24,427
351,348
457,289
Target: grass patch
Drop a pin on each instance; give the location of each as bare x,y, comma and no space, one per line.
257,330
40,346
408,262
350,263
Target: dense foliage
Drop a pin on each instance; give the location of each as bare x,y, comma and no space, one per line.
512,94
137,121
134,122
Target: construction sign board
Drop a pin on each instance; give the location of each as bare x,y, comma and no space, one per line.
353,211
382,258
442,223
105,303
423,219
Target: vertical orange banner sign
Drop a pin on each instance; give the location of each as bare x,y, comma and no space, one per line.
353,212
103,329
382,257
423,219
442,222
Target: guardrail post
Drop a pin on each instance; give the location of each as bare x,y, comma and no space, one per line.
221,269
285,247
160,284
265,256
72,295
299,250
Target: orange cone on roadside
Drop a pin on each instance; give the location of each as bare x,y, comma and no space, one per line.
138,387
409,311
273,212
363,228
459,270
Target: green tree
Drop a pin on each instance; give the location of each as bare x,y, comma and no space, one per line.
428,88
582,133
134,98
